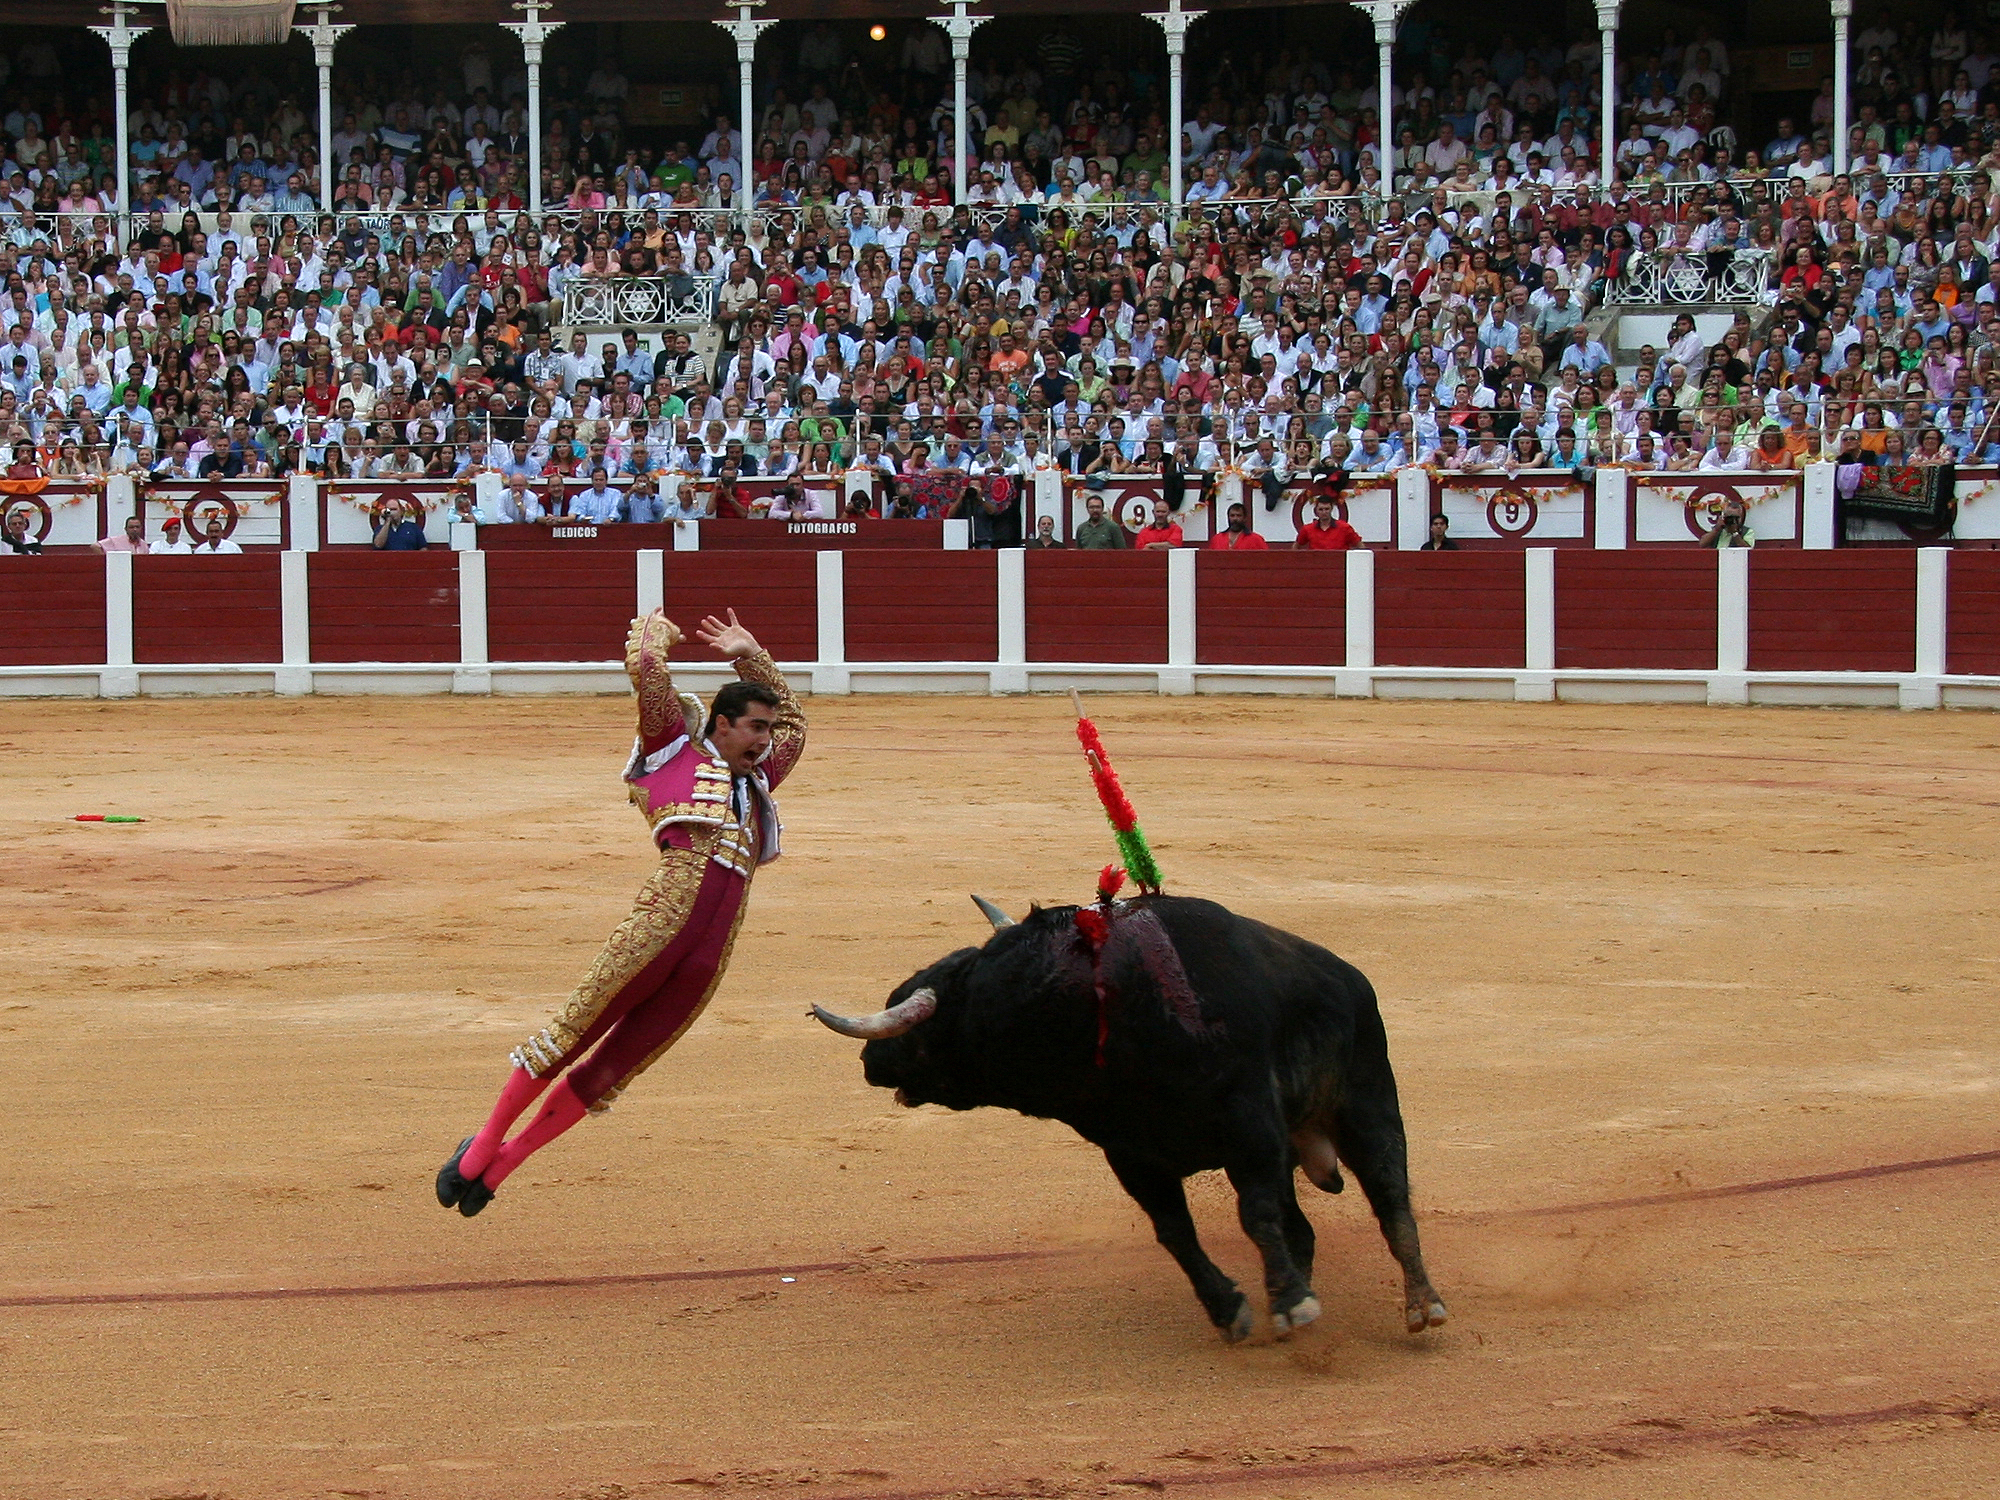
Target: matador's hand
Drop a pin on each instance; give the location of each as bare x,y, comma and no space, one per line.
656,630
729,640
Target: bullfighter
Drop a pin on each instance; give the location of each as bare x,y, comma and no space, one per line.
703,784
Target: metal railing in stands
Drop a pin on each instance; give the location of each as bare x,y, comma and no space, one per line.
67,231
14,221
646,301
1687,280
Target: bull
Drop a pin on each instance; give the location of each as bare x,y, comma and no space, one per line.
1177,1037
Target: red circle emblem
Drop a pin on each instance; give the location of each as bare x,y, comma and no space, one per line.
1306,497
1513,511
1135,505
1708,495
45,519
200,507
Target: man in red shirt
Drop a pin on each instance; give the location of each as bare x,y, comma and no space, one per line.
1239,537
1325,534
1163,535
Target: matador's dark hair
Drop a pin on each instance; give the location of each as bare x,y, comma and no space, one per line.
734,697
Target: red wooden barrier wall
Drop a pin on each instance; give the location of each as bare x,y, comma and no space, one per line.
1972,613
1097,606
1635,609
383,606
922,606
1451,609
207,609
52,610
1279,609
775,594
1833,611
559,606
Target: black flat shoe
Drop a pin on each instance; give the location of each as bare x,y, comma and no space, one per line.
474,1196
451,1184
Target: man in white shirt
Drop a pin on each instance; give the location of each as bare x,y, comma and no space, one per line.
215,542
1724,457
171,542
516,505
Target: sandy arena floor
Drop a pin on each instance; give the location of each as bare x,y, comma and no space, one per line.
1665,955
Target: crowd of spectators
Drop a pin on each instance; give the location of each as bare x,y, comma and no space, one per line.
1298,320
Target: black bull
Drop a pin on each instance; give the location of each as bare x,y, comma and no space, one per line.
1192,1039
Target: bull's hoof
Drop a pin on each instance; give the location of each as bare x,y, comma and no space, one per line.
1298,1315
1425,1311
1239,1327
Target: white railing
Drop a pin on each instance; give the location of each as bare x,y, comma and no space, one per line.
646,301
63,230
1684,280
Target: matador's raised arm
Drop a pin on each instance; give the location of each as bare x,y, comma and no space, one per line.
666,714
662,716
788,735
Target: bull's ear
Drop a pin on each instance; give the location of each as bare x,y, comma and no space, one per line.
993,914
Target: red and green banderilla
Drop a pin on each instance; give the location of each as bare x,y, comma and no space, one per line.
1125,830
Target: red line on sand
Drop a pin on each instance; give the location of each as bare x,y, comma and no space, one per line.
991,1257
509,1284
1771,1424
1745,1189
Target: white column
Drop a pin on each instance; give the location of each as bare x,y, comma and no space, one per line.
1607,105
1180,621
1360,659
1820,506
745,29
474,674
302,509
1843,12
1386,13
959,26
1539,653
1175,23
1732,626
325,36
121,501
651,583
294,675
829,673
119,36
1413,508
833,609
1010,671
533,32
1926,691
1611,499
118,610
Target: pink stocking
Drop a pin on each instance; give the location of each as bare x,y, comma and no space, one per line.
563,1110
522,1089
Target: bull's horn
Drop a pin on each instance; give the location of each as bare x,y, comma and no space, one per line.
894,1021
993,914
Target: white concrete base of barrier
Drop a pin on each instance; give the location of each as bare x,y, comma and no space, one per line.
1795,689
